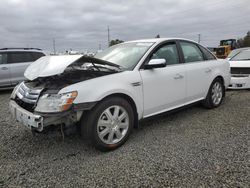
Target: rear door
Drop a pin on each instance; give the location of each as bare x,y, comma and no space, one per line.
19,61
4,71
199,70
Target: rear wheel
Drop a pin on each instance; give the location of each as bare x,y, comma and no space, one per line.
215,94
109,124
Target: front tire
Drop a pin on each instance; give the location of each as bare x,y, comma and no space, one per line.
215,94
109,124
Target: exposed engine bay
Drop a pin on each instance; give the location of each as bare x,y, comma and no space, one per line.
83,69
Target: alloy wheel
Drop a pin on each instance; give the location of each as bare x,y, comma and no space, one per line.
113,124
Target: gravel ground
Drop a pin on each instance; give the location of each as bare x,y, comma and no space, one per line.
193,147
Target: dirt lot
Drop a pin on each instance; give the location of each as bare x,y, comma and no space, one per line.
194,147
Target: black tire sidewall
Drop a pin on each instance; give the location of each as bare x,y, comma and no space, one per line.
94,117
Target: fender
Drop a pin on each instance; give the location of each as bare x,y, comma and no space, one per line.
96,89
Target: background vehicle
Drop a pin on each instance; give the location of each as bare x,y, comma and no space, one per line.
13,62
226,46
235,52
110,92
240,69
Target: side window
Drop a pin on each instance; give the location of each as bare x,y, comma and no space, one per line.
191,52
19,57
167,52
207,53
3,58
36,55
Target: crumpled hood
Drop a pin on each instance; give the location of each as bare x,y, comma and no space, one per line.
53,65
49,66
240,63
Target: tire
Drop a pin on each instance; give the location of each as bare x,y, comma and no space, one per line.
103,128
216,94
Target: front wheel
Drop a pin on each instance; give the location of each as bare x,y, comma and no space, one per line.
109,123
215,94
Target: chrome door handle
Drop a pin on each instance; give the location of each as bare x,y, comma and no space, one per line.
208,70
178,76
4,68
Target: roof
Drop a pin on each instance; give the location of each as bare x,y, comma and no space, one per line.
20,49
158,40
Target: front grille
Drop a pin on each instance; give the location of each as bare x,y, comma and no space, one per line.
26,96
240,70
26,106
220,51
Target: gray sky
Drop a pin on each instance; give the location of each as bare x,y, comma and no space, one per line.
82,24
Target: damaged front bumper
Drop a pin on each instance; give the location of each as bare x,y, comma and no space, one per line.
38,121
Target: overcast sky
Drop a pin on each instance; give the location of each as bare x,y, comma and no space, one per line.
82,24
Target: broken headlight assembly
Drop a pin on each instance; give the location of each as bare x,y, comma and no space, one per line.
51,103
13,94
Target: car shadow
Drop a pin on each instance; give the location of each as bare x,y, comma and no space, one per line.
71,143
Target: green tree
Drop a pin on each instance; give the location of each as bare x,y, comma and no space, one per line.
114,42
245,41
158,36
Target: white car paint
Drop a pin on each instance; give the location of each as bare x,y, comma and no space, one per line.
153,91
159,90
244,79
49,65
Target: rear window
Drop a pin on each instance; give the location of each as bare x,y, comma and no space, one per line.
208,55
21,57
36,55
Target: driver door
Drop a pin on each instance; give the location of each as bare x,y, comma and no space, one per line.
164,88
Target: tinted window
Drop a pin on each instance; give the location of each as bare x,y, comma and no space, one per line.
36,55
19,57
207,54
167,52
3,58
191,52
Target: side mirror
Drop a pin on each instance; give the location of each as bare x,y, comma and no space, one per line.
156,63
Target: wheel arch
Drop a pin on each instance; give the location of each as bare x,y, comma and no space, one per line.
131,102
223,82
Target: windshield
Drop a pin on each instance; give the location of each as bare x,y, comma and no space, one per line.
233,53
243,55
127,55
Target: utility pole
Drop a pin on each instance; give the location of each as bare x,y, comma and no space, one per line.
199,38
108,37
100,46
54,46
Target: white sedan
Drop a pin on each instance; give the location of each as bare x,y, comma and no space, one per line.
108,94
240,69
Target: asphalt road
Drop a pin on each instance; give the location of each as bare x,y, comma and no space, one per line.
194,147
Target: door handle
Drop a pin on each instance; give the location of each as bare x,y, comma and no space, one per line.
178,76
4,68
208,70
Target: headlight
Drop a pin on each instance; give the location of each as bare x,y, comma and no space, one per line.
13,94
55,102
